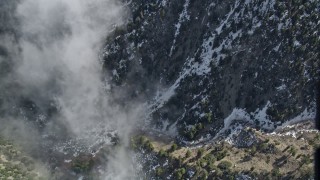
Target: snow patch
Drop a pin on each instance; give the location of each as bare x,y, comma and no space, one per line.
164,3
236,114
282,87
241,114
277,48
67,161
162,97
296,43
115,73
307,114
219,29
182,18
262,117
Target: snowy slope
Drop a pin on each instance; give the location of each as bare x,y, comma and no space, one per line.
209,58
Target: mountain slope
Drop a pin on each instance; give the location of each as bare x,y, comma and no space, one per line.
204,61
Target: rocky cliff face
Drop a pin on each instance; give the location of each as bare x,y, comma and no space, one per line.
204,64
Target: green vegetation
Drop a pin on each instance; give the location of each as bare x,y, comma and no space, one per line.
200,152
224,165
193,131
263,160
292,151
188,153
210,158
159,171
179,173
276,173
163,153
306,159
209,117
82,164
141,142
174,147
16,165
220,154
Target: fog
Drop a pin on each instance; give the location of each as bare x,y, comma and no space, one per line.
60,47
56,66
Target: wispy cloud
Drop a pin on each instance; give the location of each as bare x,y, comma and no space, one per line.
57,64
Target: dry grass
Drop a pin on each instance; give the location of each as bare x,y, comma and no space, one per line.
281,158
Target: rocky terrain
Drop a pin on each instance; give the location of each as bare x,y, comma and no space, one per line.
215,89
202,61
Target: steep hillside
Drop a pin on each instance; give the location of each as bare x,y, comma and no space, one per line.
205,61
203,89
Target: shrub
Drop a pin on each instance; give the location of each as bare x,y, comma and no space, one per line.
179,173
174,147
224,165
82,165
200,152
159,171
275,172
202,162
217,171
199,126
210,158
142,140
211,166
293,151
268,159
253,150
305,159
188,153
191,132
263,146
220,155
148,145
204,174
163,153
209,117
